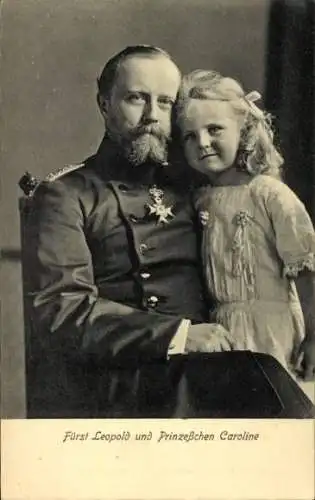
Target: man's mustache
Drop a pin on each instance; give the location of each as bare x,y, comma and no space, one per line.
152,129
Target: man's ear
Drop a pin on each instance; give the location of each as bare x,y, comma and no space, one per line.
102,104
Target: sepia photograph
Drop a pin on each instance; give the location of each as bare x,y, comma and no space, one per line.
158,202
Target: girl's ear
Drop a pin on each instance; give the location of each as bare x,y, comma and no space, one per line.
102,104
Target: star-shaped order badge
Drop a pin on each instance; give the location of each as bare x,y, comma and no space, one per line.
157,208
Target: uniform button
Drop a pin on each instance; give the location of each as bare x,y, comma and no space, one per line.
123,188
143,248
133,218
152,301
145,276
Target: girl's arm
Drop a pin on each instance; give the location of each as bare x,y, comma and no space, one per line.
305,284
295,244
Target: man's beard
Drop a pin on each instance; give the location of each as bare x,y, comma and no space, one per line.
145,143
146,147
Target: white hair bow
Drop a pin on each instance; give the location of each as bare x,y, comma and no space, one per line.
251,98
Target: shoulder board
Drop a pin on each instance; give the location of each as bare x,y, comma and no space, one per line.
63,171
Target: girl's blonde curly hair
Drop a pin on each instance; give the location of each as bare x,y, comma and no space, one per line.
257,153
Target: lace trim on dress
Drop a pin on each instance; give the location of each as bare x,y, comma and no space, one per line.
292,270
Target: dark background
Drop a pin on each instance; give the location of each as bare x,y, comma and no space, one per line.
52,53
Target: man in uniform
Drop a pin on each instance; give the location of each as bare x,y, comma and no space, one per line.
116,283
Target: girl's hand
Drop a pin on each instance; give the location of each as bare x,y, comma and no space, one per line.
305,365
208,337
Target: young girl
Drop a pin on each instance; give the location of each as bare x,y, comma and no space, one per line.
257,236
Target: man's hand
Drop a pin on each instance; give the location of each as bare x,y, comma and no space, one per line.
207,337
305,365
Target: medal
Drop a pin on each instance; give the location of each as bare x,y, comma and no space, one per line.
157,208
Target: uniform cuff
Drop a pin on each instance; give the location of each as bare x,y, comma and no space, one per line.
178,342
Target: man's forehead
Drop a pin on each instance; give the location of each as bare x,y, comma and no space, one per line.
147,70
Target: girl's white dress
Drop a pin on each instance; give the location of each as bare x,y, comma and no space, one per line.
256,239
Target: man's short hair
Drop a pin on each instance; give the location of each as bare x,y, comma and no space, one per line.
107,78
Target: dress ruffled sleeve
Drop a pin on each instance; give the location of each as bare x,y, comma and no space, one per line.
294,230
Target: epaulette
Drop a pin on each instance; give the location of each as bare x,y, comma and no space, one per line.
28,183
62,171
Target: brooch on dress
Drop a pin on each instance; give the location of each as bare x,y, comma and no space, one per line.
157,208
204,217
242,252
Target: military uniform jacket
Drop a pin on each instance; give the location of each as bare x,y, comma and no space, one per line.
109,284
